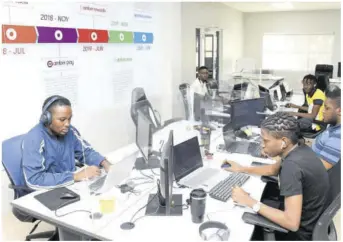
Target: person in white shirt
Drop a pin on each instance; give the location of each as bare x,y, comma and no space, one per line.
199,85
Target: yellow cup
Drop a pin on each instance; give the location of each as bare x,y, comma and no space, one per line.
107,205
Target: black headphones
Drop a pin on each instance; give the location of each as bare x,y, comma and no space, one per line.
46,117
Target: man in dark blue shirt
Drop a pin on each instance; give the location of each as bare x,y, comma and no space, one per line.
52,146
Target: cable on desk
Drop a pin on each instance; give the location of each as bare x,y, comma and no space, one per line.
150,177
142,209
62,215
154,173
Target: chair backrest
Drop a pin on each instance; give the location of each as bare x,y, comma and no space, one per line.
184,89
11,160
322,69
324,229
323,82
138,96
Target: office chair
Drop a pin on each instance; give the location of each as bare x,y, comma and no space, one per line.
324,228
323,82
314,134
184,89
138,95
11,160
322,69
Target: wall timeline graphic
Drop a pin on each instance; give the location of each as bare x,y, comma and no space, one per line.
16,34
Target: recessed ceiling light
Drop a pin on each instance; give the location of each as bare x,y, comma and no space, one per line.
282,5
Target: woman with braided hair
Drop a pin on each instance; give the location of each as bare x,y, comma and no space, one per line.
304,182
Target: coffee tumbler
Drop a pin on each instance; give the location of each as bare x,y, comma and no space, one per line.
198,204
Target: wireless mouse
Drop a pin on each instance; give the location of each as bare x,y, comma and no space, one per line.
225,165
68,196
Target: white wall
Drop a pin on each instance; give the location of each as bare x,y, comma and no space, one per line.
195,15
256,24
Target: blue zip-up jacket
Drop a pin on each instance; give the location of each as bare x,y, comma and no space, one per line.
49,162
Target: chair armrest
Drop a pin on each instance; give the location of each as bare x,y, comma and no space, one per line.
273,179
256,219
22,188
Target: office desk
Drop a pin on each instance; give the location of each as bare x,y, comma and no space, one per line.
335,81
78,225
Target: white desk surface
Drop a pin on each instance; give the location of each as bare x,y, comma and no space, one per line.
153,228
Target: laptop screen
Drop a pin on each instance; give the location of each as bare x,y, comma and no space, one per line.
187,158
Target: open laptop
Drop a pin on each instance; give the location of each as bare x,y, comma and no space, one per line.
117,173
188,165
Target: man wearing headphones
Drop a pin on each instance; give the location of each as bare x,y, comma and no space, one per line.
51,147
304,182
315,99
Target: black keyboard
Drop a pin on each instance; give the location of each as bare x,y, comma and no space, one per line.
222,191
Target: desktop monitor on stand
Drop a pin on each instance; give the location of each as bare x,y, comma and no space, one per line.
268,101
164,202
283,92
246,112
144,132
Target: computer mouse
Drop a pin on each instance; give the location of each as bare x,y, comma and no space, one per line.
68,195
225,165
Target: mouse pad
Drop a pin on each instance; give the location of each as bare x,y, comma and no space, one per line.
52,199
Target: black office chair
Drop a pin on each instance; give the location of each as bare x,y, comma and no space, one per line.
324,228
11,160
322,69
323,82
314,134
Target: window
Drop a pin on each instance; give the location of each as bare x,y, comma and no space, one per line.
296,51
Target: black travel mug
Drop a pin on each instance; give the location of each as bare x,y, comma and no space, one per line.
198,204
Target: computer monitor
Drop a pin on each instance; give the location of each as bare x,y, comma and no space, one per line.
276,83
268,100
164,203
245,112
239,90
144,132
283,92
339,70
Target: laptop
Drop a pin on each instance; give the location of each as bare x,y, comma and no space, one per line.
118,172
188,165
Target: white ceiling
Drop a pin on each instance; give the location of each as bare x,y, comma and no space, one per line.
282,6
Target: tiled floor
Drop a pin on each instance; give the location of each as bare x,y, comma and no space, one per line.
12,229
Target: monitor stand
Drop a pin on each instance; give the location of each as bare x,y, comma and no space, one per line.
155,209
152,163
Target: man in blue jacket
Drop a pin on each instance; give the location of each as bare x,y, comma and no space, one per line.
52,146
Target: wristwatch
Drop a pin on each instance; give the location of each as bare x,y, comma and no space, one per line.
256,207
